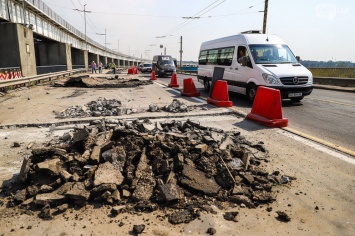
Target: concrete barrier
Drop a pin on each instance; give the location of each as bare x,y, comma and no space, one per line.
343,82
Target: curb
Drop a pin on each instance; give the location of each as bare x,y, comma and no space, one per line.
340,89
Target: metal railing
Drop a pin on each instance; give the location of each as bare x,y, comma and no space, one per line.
37,78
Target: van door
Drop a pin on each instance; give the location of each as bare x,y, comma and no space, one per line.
242,72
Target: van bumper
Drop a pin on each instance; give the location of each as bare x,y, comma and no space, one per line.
286,91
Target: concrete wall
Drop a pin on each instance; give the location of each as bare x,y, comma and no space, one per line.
17,48
102,59
79,58
93,57
51,53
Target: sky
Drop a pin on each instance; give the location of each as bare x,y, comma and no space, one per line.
320,30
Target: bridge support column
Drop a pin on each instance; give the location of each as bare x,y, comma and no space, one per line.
86,59
17,48
68,56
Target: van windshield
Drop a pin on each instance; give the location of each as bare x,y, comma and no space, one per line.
166,63
271,54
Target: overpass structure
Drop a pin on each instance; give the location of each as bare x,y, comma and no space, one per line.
36,40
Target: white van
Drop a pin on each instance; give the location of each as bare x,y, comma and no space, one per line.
251,59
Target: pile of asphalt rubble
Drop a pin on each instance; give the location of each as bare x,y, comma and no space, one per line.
113,107
180,168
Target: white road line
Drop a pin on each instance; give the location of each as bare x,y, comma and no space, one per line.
178,92
318,147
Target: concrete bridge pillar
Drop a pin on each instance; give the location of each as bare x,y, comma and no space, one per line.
17,48
86,59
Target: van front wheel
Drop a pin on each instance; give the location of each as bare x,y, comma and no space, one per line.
251,91
298,99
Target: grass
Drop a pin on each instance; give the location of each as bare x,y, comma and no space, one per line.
333,72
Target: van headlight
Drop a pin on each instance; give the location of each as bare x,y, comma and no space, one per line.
310,79
270,79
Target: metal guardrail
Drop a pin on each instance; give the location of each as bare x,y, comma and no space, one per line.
29,79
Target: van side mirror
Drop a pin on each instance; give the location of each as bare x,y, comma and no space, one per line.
298,58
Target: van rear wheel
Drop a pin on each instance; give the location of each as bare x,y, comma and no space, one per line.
207,85
251,91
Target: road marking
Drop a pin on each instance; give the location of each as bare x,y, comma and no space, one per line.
330,101
179,92
319,144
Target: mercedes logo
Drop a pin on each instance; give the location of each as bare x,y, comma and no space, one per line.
295,80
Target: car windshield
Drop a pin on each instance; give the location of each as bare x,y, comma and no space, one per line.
147,65
271,54
166,63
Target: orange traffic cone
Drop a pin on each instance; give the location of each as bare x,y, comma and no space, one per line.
220,96
189,88
130,71
153,77
267,109
173,81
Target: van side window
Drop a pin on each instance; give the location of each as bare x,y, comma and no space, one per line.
226,56
217,56
212,57
202,58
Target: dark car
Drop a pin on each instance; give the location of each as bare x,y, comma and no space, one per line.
163,65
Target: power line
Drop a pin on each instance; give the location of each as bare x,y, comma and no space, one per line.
203,11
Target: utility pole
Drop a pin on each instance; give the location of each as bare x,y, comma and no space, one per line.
86,43
105,44
180,51
265,16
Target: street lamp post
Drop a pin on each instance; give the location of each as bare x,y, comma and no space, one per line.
86,43
105,40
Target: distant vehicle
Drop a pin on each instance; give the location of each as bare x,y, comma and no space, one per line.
189,68
145,67
140,66
252,59
163,65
